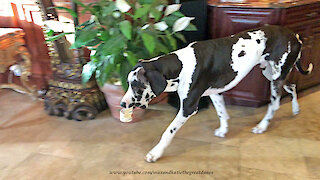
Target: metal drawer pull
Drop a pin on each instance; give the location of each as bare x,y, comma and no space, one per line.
311,14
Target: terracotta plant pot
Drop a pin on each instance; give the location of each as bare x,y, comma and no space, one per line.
161,99
113,95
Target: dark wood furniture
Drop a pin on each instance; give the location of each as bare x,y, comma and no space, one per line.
15,59
25,15
303,17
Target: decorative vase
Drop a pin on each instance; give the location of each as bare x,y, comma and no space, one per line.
113,95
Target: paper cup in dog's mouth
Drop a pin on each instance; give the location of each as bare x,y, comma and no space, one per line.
126,115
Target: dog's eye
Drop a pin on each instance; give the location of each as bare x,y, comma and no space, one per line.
134,88
139,91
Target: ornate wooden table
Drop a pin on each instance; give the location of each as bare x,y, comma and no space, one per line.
15,58
303,17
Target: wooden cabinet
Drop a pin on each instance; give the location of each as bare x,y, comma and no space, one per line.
303,17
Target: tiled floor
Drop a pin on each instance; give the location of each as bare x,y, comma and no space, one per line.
34,145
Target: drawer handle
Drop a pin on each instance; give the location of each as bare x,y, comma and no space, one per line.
311,14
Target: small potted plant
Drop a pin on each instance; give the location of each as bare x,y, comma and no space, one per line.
120,33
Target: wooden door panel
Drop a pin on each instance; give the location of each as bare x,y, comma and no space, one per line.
228,21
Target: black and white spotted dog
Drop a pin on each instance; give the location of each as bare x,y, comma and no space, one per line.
208,68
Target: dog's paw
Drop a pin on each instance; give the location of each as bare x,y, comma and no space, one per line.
295,110
150,158
258,130
154,154
220,132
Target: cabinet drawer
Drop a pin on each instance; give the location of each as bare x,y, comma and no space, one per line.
302,14
315,30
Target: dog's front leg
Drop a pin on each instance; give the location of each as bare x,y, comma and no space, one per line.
167,137
188,107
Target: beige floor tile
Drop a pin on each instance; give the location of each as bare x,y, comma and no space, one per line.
38,166
254,174
313,165
310,148
273,153
292,177
196,155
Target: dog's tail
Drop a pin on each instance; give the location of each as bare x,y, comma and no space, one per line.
298,63
299,68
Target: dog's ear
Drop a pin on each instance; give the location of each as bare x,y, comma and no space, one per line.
142,75
157,81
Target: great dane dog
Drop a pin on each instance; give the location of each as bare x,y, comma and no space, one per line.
208,68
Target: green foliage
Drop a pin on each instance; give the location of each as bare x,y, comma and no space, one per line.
141,11
126,29
58,36
149,42
121,38
70,11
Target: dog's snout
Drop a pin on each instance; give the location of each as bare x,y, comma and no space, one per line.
123,104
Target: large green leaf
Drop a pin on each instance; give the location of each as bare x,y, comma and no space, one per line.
146,1
103,71
107,10
141,11
70,11
85,36
125,68
79,3
96,10
178,14
172,40
86,23
87,71
162,48
104,35
50,32
126,28
85,7
170,19
93,42
156,14
113,46
132,58
181,37
56,37
149,42
191,27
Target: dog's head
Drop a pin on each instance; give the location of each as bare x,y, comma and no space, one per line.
144,85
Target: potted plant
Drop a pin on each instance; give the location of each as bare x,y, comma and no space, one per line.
120,33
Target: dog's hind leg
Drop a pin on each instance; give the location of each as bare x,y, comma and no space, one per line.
272,107
219,105
291,89
276,72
